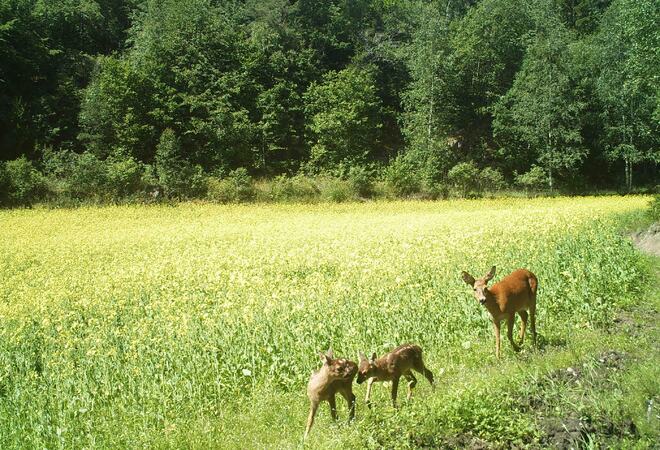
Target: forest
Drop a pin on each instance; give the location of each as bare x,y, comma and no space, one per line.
113,100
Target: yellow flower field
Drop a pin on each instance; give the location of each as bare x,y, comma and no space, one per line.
118,324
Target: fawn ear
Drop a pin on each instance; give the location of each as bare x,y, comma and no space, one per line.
489,276
330,353
325,359
373,358
362,356
469,279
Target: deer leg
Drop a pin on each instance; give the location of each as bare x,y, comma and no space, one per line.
509,331
496,328
532,323
310,419
370,382
523,319
333,406
350,399
395,389
412,382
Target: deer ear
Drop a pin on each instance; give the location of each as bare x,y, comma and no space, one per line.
373,358
330,353
362,356
489,276
469,279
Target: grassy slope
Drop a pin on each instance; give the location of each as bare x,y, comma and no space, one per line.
528,399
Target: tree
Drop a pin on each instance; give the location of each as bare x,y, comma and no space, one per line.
343,118
540,111
429,102
629,84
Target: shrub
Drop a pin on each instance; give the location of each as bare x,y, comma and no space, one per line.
238,186
4,186
361,180
536,178
654,208
124,176
177,177
296,188
87,177
464,178
491,180
336,190
401,177
23,183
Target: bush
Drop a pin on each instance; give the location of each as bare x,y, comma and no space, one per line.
238,186
464,178
297,188
401,177
336,190
21,182
491,180
124,176
536,178
87,178
654,209
177,178
361,180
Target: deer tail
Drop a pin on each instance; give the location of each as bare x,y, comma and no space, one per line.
533,284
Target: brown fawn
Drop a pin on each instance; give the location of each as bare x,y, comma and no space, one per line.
335,375
399,362
515,293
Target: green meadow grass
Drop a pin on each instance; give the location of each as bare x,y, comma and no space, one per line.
198,325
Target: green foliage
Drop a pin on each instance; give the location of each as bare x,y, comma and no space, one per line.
298,188
237,186
628,86
535,178
280,87
361,179
464,177
344,118
491,179
401,178
20,183
124,176
541,110
177,177
654,208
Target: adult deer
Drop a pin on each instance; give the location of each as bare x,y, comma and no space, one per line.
399,362
335,375
515,293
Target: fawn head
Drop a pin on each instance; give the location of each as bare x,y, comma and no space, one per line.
366,368
480,286
335,368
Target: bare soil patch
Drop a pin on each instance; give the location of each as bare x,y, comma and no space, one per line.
648,241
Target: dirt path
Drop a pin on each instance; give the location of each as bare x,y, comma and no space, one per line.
648,241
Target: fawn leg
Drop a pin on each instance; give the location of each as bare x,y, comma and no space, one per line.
395,389
523,319
333,407
350,399
370,382
310,419
412,382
